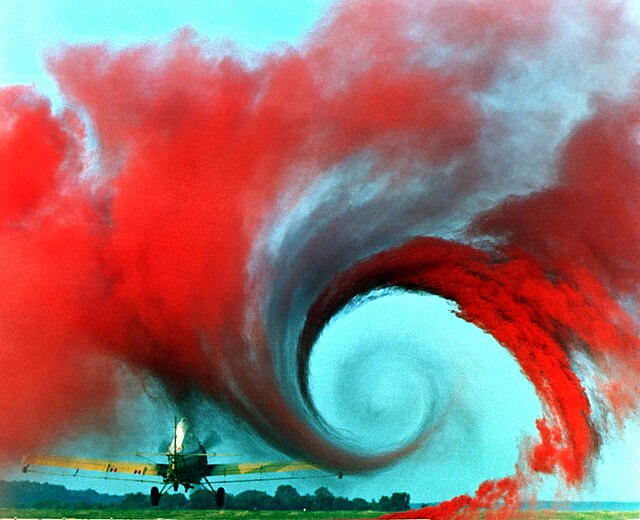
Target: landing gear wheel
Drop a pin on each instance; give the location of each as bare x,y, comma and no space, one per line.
175,486
220,497
155,496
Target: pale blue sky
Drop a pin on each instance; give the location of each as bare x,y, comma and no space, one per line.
30,27
485,418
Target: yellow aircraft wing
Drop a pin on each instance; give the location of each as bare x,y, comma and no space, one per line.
108,466
221,470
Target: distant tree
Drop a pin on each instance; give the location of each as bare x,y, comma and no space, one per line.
324,499
308,503
253,501
35,494
229,501
287,498
141,501
400,501
360,504
173,501
384,504
135,501
202,499
343,504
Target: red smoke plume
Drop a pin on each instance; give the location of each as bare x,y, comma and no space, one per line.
50,277
134,245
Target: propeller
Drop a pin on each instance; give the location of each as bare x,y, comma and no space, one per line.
165,453
211,440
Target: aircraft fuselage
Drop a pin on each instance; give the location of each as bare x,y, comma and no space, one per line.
187,468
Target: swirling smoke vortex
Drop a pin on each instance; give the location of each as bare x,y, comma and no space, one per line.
201,216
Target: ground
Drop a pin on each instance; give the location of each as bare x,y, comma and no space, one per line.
187,514
270,515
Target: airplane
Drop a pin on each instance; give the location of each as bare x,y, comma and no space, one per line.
186,466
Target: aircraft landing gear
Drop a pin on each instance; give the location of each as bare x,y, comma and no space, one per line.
155,496
220,497
218,494
175,486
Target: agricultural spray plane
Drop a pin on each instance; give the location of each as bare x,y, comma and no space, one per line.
186,466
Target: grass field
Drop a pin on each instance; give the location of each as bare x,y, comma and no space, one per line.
272,515
187,514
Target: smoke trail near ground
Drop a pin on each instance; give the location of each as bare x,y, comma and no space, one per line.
216,214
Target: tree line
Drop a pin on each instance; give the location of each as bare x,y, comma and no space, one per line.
286,498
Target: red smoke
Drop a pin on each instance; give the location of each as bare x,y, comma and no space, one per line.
550,289
133,245
508,294
50,278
